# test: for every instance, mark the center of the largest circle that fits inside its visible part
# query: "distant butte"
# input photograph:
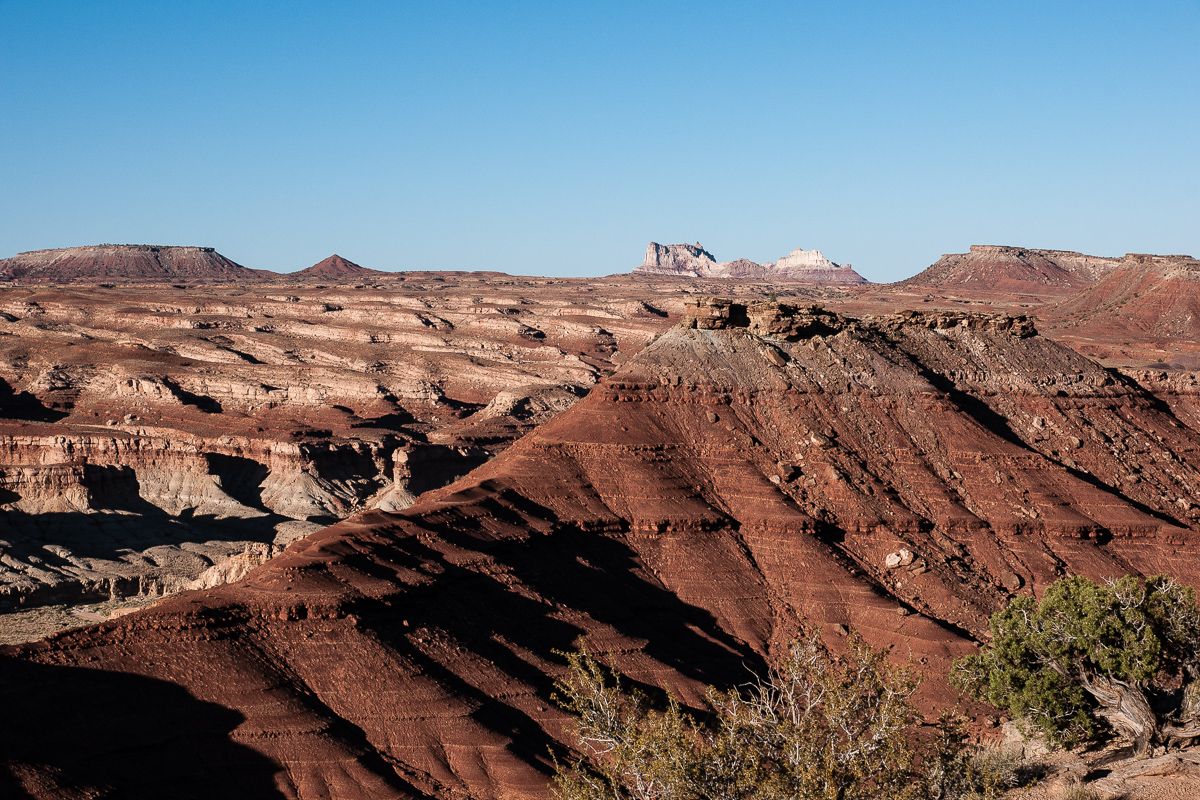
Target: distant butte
(336, 267)
(693, 261)
(125, 262)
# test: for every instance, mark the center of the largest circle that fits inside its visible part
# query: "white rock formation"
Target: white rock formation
(693, 261)
(805, 259)
(677, 259)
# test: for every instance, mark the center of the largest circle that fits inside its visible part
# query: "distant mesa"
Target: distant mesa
(1155, 297)
(125, 262)
(1014, 269)
(693, 261)
(336, 267)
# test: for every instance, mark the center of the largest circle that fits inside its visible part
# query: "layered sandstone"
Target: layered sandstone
(1149, 305)
(760, 465)
(147, 438)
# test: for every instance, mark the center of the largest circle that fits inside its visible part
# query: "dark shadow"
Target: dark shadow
(24, 406)
(120, 736)
(435, 466)
(249, 359)
(206, 404)
(978, 410)
(592, 572)
(462, 408)
(111, 537)
(388, 422)
(241, 478)
(595, 575)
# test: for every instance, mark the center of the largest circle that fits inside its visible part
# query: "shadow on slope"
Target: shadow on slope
(24, 406)
(118, 736)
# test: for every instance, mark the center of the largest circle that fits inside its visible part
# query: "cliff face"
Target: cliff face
(693, 261)
(756, 465)
(677, 259)
(124, 262)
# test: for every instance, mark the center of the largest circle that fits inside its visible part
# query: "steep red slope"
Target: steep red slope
(737, 475)
(1152, 300)
(125, 262)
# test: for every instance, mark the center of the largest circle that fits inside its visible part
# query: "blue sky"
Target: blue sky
(559, 138)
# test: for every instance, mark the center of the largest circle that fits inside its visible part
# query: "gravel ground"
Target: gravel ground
(30, 625)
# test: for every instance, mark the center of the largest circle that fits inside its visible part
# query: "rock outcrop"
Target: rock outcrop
(125, 263)
(756, 466)
(693, 261)
(677, 259)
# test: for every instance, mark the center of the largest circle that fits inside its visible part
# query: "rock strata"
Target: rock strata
(683, 518)
(147, 438)
(1149, 302)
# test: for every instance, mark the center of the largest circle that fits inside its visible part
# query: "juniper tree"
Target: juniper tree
(1121, 654)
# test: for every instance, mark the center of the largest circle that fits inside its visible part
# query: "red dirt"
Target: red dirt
(337, 268)
(1145, 310)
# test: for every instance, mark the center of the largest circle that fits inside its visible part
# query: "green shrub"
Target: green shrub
(1093, 655)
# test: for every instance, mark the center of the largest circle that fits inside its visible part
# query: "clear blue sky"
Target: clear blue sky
(559, 138)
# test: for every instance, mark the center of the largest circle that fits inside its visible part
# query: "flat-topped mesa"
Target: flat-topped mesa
(1153, 258)
(804, 260)
(990, 267)
(1147, 298)
(693, 261)
(791, 323)
(124, 262)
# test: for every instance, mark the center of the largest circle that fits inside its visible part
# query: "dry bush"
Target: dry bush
(817, 726)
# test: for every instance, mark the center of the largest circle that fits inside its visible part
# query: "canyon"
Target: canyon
(147, 438)
(378, 509)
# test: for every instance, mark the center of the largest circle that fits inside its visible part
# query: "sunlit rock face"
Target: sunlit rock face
(693, 261)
